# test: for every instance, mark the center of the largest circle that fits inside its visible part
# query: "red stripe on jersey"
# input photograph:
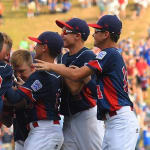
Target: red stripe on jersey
(111, 94)
(95, 64)
(41, 111)
(87, 93)
(28, 92)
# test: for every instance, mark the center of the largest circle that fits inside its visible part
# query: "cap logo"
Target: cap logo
(77, 28)
(106, 25)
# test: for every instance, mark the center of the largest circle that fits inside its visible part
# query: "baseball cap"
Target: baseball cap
(109, 23)
(52, 39)
(77, 25)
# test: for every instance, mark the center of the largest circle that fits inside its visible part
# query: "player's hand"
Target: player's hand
(19, 81)
(41, 65)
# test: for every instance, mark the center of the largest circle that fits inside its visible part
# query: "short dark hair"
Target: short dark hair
(1, 41)
(114, 37)
(53, 53)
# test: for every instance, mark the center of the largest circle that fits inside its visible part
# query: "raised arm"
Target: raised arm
(75, 74)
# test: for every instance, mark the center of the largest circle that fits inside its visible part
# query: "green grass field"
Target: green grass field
(18, 26)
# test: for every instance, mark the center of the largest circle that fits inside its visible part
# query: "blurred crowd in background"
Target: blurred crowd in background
(136, 56)
(117, 7)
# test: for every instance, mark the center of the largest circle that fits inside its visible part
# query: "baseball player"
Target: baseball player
(114, 105)
(41, 91)
(78, 105)
(21, 61)
(5, 70)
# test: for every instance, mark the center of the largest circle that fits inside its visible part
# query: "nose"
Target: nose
(93, 34)
(62, 34)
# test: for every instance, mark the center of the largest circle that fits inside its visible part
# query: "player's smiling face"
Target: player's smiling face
(99, 37)
(68, 37)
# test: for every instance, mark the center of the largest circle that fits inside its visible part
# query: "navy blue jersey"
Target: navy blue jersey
(112, 79)
(5, 80)
(6, 74)
(42, 92)
(84, 100)
(20, 125)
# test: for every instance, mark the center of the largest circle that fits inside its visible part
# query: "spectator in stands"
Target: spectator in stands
(85, 3)
(102, 6)
(122, 7)
(16, 5)
(146, 137)
(1, 12)
(66, 6)
(7, 138)
(52, 6)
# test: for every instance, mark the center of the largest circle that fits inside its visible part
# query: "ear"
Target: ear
(78, 35)
(107, 34)
(45, 48)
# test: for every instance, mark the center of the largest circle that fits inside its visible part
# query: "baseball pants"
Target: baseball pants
(46, 136)
(122, 130)
(19, 145)
(83, 131)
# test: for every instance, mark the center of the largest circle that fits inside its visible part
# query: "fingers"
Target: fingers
(20, 81)
(38, 61)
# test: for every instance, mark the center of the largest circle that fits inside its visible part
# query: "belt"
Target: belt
(113, 113)
(36, 124)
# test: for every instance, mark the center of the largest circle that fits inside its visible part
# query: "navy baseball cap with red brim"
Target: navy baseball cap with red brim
(62, 24)
(109, 23)
(76, 24)
(53, 40)
(35, 40)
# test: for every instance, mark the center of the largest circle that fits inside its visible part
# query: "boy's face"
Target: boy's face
(23, 71)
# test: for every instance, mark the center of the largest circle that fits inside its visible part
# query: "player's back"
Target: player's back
(112, 80)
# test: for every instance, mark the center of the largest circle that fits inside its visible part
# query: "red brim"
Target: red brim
(35, 39)
(63, 24)
(95, 26)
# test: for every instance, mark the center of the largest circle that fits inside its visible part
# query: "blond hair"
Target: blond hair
(20, 57)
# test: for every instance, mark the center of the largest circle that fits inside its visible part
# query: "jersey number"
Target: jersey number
(99, 93)
(125, 81)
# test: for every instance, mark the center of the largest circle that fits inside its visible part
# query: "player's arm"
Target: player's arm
(76, 74)
(14, 96)
(74, 86)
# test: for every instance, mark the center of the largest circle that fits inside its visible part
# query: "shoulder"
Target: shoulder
(52, 74)
(5, 69)
(87, 52)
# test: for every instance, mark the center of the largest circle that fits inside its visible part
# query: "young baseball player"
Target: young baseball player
(114, 105)
(22, 63)
(41, 91)
(81, 128)
(5, 70)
